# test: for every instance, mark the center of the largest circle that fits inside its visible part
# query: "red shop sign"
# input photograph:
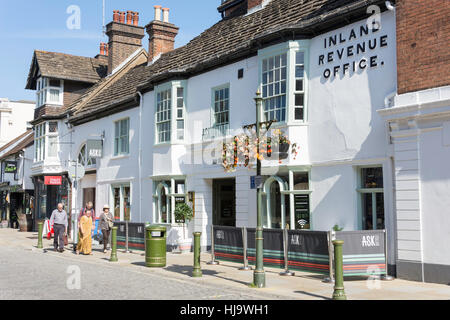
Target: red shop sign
(53, 180)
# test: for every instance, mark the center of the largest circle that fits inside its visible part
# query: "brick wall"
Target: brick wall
(73, 90)
(423, 37)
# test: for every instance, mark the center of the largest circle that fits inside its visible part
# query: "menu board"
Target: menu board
(301, 205)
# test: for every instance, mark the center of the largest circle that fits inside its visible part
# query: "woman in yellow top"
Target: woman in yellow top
(85, 234)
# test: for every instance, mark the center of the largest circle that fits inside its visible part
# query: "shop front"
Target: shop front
(49, 191)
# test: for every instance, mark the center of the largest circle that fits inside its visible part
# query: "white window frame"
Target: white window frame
(171, 87)
(171, 195)
(287, 188)
(43, 92)
(118, 152)
(290, 48)
(86, 159)
(361, 190)
(121, 186)
(40, 132)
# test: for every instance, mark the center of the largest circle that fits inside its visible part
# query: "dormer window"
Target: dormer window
(49, 91)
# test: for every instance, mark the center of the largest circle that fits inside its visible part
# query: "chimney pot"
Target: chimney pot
(102, 48)
(129, 17)
(116, 15)
(166, 14)
(157, 13)
(106, 49)
(135, 18)
(122, 16)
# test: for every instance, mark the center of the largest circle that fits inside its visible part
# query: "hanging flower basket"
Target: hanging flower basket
(242, 150)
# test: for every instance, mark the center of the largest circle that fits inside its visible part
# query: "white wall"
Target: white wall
(14, 116)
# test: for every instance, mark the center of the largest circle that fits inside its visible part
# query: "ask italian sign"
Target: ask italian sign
(94, 148)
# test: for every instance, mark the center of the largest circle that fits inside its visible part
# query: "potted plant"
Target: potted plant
(183, 214)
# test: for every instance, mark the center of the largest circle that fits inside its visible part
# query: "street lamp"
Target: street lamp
(259, 277)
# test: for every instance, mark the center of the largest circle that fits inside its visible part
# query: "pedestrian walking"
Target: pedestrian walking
(88, 206)
(106, 223)
(59, 221)
(85, 234)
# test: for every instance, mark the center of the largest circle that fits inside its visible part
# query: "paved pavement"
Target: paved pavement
(30, 273)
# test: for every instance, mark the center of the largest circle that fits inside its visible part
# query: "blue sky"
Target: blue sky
(26, 25)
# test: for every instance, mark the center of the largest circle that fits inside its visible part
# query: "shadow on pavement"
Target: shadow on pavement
(187, 270)
(313, 295)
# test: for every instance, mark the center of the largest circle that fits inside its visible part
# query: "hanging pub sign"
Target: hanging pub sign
(94, 148)
(53, 180)
(10, 166)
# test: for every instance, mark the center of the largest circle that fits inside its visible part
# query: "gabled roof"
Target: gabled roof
(13, 142)
(26, 141)
(65, 67)
(230, 40)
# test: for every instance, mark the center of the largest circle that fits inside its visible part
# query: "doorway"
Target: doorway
(89, 196)
(224, 202)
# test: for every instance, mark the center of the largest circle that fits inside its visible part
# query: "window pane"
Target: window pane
(299, 57)
(299, 71)
(372, 177)
(116, 195)
(126, 203)
(54, 83)
(298, 113)
(367, 211)
(380, 211)
(299, 99)
(301, 181)
(299, 85)
(52, 127)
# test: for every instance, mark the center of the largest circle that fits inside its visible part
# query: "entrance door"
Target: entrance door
(89, 196)
(224, 202)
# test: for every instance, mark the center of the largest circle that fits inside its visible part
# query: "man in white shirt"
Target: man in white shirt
(59, 221)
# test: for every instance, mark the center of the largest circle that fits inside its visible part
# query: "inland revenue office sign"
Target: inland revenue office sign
(353, 50)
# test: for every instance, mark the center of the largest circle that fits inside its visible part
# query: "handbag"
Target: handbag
(66, 240)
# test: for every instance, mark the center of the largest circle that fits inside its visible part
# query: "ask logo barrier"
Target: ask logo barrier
(364, 252)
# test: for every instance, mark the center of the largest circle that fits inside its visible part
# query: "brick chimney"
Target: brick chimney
(125, 37)
(161, 34)
(103, 55)
(253, 3)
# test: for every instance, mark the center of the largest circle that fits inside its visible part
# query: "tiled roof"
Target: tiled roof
(225, 41)
(65, 67)
(14, 141)
(27, 140)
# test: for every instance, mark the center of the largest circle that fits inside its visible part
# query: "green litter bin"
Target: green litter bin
(155, 246)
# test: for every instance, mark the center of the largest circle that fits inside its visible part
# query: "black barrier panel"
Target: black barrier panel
(136, 236)
(228, 244)
(308, 251)
(121, 234)
(272, 247)
(364, 252)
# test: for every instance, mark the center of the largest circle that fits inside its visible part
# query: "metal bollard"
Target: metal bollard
(244, 242)
(197, 269)
(286, 271)
(126, 237)
(330, 237)
(213, 255)
(40, 228)
(113, 245)
(339, 293)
